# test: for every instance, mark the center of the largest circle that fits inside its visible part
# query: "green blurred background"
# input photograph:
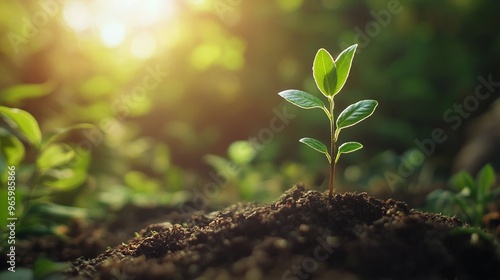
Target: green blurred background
(167, 83)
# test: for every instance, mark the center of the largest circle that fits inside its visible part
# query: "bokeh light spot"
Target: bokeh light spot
(119, 22)
(143, 45)
(113, 34)
(205, 55)
(289, 5)
(76, 15)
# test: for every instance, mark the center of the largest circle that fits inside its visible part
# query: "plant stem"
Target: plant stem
(332, 147)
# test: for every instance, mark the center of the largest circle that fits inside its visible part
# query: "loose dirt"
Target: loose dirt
(304, 235)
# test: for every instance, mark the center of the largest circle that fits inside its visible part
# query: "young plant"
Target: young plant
(470, 197)
(36, 167)
(330, 76)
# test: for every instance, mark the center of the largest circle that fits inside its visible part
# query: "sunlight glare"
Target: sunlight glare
(122, 21)
(143, 45)
(76, 15)
(151, 11)
(112, 34)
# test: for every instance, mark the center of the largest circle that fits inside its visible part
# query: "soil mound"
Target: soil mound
(304, 235)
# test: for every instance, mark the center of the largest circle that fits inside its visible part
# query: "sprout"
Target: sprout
(330, 76)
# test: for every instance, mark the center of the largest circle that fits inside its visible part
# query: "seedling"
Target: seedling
(330, 76)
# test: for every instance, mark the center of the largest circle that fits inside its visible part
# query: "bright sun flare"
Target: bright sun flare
(117, 20)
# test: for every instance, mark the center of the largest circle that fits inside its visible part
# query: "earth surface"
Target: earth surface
(303, 235)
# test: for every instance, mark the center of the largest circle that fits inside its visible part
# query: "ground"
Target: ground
(304, 235)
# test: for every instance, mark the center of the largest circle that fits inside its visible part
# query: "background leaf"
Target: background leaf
(55, 155)
(316, 145)
(348, 147)
(324, 72)
(69, 175)
(220, 164)
(462, 180)
(343, 64)
(59, 211)
(17, 93)
(23, 123)
(64, 179)
(484, 180)
(355, 113)
(52, 136)
(141, 183)
(11, 153)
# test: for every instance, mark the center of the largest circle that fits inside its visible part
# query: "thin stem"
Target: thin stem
(332, 147)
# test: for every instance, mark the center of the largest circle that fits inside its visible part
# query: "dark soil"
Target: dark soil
(304, 235)
(86, 239)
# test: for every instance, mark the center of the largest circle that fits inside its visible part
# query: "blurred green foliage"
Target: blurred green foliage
(164, 87)
(33, 181)
(469, 198)
(252, 177)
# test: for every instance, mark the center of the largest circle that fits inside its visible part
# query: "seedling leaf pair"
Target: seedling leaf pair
(330, 76)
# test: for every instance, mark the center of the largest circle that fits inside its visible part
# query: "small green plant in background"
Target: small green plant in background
(37, 168)
(330, 76)
(241, 172)
(469, 198)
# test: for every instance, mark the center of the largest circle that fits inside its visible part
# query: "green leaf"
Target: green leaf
(461, 181)
(324, 72)
(141, 183)
(348, 147)
(302, 99)
(64, 179)
(11, 153)
(57, 210)
(52, 136)
(18, 92)
(220, 164)
(11, 148)
(343, 64)
(23, 123)
(355, 113)
(316, 145)
(55, 155)
(484, 180)
(69, 175)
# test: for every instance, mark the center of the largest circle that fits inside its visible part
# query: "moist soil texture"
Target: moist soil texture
(304, 235)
